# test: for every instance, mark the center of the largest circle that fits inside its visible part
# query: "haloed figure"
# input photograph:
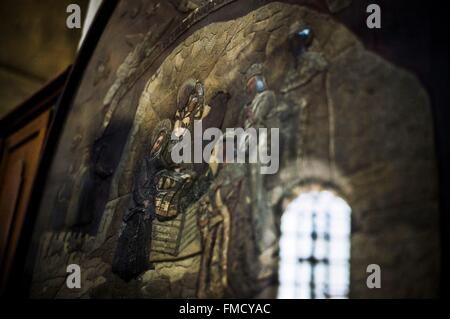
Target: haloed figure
(132, 253)
(160, 185)
(190, 106)
(258, 114)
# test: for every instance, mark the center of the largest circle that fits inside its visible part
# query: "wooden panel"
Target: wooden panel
(19, 165)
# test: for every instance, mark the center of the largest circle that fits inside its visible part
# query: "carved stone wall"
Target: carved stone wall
(348, 120)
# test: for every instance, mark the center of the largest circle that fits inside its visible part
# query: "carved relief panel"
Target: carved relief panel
(143, 225)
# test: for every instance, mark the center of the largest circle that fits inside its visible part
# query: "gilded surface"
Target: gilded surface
(214, 228)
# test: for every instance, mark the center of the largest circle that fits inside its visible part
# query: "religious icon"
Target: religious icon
(132, 252)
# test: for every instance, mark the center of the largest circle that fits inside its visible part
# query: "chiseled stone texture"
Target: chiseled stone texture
(349, 119)
(368, 123)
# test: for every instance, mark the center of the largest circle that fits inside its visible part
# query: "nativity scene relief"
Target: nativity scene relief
(215, 120)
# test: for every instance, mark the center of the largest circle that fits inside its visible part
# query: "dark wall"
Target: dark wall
(36, 46)
(415, 35)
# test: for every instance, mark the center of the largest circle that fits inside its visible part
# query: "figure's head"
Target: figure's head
(160, 136)
(190, 104)
(156, 148)
(256, 83)
(300, 38)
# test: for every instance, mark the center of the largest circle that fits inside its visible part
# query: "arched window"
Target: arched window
(315, 247)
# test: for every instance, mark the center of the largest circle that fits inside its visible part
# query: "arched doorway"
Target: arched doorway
(315, 247)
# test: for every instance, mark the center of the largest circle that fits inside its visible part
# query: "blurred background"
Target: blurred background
(35, 48)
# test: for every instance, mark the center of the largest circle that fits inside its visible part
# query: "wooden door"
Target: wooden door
(21, 154)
